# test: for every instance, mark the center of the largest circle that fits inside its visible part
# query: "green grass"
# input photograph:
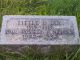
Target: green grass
(33, 53)
(41, 7)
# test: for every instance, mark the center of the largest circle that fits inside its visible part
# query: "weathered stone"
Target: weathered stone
(39, 30)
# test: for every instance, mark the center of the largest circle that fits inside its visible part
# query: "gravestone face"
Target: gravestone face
(39, 30)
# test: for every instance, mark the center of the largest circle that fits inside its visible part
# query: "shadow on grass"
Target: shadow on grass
(40, 52)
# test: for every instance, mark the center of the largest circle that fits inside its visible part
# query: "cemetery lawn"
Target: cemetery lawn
(41, 7)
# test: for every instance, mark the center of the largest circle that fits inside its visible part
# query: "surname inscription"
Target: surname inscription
(37, 29)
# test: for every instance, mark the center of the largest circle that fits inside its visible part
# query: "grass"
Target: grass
(41, 7)
(59, 53)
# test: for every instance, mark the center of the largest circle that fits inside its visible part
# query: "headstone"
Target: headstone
(39, 30)
(0, 35)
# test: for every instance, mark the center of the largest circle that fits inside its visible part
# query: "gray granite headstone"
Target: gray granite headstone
(39, 30)
(0, 35)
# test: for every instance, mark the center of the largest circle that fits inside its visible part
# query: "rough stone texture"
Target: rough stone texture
(39, 30)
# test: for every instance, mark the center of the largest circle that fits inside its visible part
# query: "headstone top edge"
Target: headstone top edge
(35, 15)
(5, 17)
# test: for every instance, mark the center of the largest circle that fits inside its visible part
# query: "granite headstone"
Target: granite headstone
(39, 30)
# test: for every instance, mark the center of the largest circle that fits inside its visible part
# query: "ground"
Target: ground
(41, 7)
